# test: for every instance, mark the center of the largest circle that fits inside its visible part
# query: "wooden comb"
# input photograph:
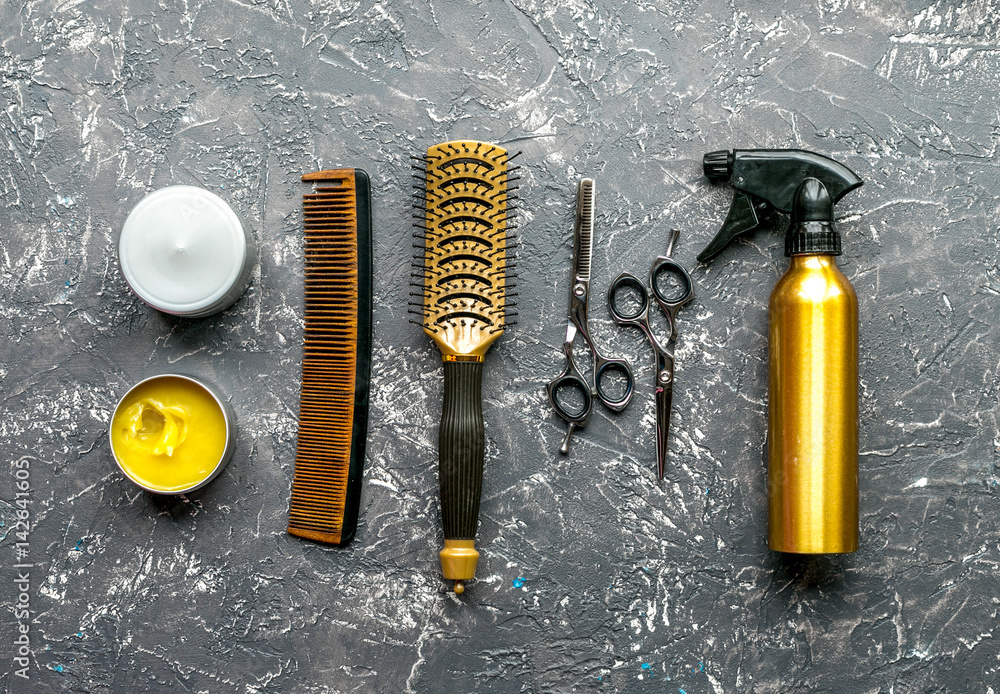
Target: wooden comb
(463, 271)
(336, 357)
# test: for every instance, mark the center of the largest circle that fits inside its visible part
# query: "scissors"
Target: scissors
(571, 379)
(670, 300)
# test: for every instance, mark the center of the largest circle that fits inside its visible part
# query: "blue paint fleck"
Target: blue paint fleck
(79, 633)
(706, 491)
(682, 691)
(646, 666)
(518, 582)
(58, 668)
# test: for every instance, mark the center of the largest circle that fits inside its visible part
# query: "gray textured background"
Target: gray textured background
(627, 585)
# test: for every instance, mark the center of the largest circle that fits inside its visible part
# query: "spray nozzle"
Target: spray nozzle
(767, 180)
(718, 165)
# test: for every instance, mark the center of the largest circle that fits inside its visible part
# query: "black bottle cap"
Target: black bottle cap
(812, 230)
(718, 166)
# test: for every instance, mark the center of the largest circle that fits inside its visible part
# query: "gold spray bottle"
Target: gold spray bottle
(813, 346)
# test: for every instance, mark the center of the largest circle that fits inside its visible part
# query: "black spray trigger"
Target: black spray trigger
(766, 180)
(745, 214)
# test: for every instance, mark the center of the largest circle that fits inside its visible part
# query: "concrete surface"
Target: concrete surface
(594, 578)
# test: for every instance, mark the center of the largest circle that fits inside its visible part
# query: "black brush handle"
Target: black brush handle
(461, 449)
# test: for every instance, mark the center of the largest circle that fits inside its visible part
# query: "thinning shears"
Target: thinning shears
(561, 388)
(671, 287)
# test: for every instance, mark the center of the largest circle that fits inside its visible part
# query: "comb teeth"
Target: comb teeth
(336, 357)
(463, 261)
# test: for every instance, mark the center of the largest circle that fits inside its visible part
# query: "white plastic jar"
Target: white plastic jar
(184, 251)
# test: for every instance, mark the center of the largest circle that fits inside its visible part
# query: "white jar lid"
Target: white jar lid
(183, 251)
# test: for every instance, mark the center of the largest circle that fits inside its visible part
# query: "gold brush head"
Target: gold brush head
(463, 270)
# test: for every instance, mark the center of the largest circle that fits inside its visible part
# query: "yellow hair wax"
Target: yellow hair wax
(170, 434)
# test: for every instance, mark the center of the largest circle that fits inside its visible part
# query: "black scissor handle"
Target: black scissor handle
(682, 290)
(606, 367)
(626, 315)
(573, 380)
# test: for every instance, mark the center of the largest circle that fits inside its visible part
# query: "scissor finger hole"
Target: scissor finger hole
(571, 397)
(628, 298)
(613, 383)
(671, 284)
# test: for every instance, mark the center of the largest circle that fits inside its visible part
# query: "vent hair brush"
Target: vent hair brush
(463, 271)
(336, 357)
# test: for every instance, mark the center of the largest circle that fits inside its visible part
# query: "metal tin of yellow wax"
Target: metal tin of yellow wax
(172, 434)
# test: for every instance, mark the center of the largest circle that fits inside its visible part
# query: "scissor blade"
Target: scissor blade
(664, 399)
(583, 230)
(570, 332)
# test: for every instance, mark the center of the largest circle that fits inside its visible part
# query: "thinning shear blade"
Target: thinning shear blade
(583, 233)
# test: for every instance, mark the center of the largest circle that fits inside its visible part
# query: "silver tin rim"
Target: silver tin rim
(227, 452)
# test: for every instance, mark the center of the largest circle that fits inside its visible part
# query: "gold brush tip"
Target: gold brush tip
(459, 587)
(458, 561)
